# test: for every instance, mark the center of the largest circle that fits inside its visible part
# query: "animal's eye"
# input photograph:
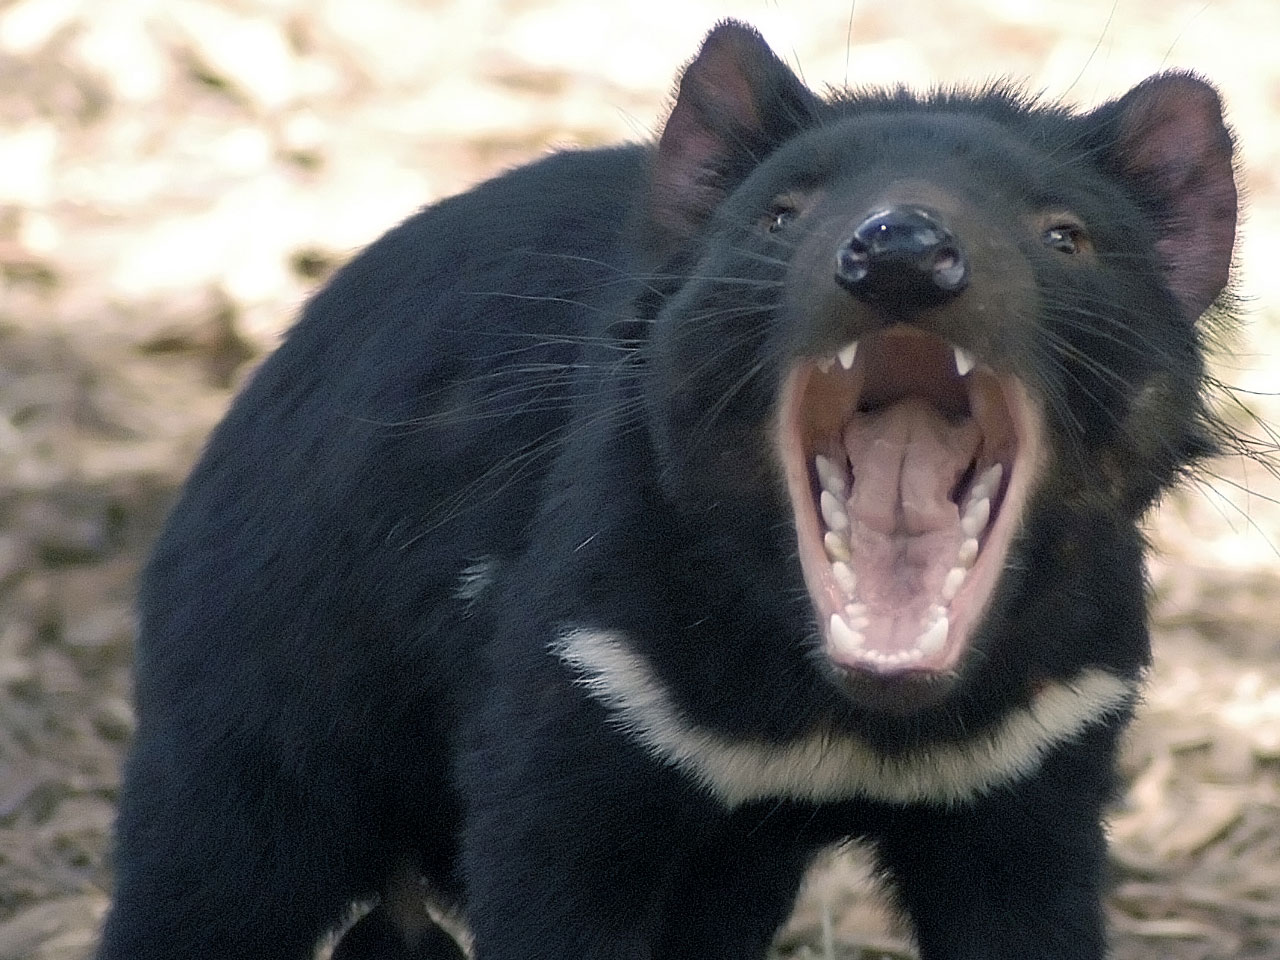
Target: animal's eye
(779, 216)
(1066, 238)
(785, 208)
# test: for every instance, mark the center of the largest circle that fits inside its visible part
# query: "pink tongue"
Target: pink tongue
(906, 460)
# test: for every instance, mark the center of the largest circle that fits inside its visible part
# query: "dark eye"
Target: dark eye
(1066, 238)
(780, 216)
(786, 207)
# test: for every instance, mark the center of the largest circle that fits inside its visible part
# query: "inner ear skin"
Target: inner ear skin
(1168, 138)
(736, 100)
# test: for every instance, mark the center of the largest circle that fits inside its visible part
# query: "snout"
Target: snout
(902, 258)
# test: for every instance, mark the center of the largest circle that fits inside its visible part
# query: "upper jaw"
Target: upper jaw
(909, 464)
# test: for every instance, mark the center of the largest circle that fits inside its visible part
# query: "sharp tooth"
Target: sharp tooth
(837, 549)
(847, 353)
(975, 517)
(968, 552)
(844, 578)
(987, 484)
(951, 585)
(964, 361)
(833, 512)
(830, 476)
(855, 615)
(843, 637)
(826, 364)
(935, 638)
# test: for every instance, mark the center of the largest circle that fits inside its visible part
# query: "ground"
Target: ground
(176, 175)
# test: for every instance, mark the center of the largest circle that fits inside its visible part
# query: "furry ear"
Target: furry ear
(736, 102)
(1167, 136)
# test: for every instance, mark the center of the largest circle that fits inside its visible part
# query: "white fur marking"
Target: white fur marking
(828, 766)
(474, 580)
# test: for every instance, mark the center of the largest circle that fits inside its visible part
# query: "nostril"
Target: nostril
(853, 262)
(950, 271)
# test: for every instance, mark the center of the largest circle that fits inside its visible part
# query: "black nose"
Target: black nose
(902, 258)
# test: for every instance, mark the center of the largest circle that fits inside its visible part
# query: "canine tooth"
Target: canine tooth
(826, 364)
(844, 578)
(833, 512)
(951, 585)
(831, 476)
(843, 636)
(854, 618)
(975, 517)
(987, 484)
(837, 549)
(964, 361)
(968, 552)
(847, 353)
(933, 639)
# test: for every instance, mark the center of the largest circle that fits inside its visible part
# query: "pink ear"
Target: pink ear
(734, 99)
(1170, 136)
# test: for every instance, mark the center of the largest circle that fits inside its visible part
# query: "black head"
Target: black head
(916, 326)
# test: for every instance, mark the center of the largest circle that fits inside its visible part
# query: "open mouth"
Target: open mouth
(908, 464)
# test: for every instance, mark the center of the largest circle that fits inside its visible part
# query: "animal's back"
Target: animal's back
(384, 463)
(405, 421)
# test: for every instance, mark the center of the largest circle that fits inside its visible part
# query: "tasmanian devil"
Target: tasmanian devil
(606, 541)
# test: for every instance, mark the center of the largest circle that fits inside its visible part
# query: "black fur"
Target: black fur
(564, 383)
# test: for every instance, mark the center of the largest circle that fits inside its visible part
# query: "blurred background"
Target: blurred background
(177, 175)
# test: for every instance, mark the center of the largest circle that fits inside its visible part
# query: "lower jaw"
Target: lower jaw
(902, 694)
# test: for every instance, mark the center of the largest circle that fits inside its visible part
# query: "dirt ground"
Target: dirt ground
(176, 175)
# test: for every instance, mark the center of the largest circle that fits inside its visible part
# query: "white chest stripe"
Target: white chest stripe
(826, 766)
